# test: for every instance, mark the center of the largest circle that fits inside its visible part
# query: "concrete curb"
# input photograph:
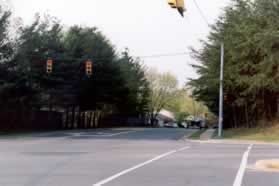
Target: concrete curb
(234, 142)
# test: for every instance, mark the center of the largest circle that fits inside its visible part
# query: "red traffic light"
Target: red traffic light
(49, 62)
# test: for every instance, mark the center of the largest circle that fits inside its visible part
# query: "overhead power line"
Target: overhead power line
(165, 55)
(201, 13)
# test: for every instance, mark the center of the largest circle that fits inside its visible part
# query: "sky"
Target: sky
(146, 27)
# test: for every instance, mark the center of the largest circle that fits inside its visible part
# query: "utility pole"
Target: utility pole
(220, 128)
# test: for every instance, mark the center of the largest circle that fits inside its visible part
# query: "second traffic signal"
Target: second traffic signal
(88, 67)
(49, 66)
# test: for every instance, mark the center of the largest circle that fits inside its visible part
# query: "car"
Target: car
(198, 123)
(183, 125)
(215, 126)
(171, 125)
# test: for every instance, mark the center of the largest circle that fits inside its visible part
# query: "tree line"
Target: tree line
(249, 30)
(119, 88)
(117, 85)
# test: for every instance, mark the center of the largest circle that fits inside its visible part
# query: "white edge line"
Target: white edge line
(243, 165)
(138, 166)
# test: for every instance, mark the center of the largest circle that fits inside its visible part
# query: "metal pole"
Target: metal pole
(220, 128)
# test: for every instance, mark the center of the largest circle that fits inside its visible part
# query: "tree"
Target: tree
(117, 85)
(163, 87)
(250, 34)
(184, 105)
(6, 52)
(136, 85)
(117, 82)
(181, 116)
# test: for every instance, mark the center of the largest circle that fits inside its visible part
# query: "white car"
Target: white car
(184, 124)
(171, 125)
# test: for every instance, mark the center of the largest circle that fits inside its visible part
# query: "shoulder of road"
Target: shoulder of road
(232, 137)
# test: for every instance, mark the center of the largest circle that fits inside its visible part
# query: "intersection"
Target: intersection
(129, 157)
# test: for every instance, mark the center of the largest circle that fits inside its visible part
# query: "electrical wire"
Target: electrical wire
(201, 13)
(164, 55)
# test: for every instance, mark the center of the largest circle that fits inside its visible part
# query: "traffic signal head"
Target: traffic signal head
(179, 5)
(172, 3)
(49, 66)
(88, 67)
(225, 97)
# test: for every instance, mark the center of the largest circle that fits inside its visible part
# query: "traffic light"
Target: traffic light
(226, 98)
(172, 3)
(88, 67)
(49, 66)
(179, 5)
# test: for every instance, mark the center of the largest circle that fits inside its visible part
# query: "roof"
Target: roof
(166, 115)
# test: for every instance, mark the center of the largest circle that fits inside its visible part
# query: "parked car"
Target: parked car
(183, 125)
(215, 126)
(198, 123)
(171, 125)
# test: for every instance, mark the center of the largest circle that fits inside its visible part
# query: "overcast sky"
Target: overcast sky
(146, 27)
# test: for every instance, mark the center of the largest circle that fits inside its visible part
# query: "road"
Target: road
(130, 157)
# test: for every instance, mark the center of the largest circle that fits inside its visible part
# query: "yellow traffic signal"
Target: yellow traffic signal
(49, 66)
(172, 3)
(88, 67)
(225, 97)
(178, 4)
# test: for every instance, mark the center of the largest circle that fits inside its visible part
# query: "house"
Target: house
(165, 116)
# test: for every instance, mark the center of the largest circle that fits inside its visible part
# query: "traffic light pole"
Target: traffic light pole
(221, 98)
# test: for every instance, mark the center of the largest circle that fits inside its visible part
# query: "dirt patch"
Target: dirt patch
(268, 165)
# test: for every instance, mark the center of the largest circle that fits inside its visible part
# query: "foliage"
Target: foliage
(196, 135)
(181, 116)
(249, 30)
(183, 103)
(267, 134)
(118, 84)
(163, 87)
(6, 52)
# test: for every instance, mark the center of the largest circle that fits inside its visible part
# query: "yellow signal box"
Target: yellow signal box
(179, 5)
(88, 68)
(49, 66)
(172, 3)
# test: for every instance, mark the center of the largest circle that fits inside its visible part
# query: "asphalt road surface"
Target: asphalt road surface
(130, 157)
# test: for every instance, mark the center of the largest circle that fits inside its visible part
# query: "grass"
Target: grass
(270, 134)
(196, 135)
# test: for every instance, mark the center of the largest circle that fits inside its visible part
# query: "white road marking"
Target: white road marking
(182, 149)
(100, 134)
(105, 181)
(119, 133)
(243, 165)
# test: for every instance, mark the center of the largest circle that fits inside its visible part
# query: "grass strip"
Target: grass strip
(196, 135)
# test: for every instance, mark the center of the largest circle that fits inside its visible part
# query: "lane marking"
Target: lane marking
(182, 149)
(100, 134)
(105, 181)
(243, 165)
(119, 133)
